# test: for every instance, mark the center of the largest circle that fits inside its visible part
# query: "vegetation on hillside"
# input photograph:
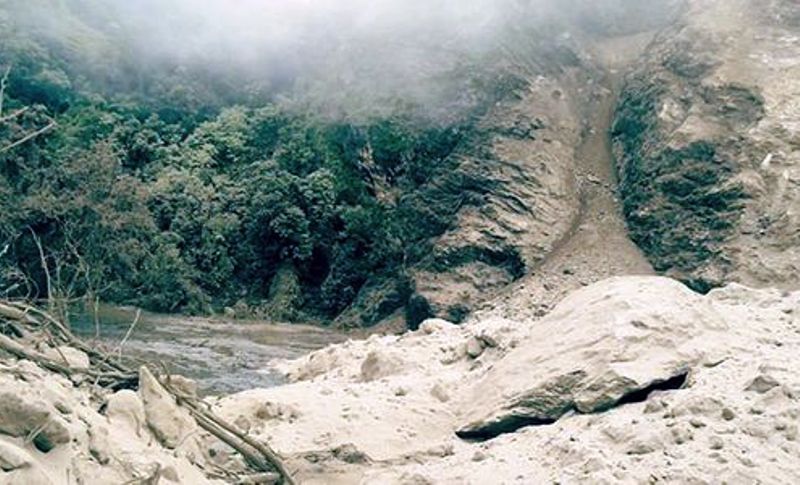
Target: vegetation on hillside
(171, 187)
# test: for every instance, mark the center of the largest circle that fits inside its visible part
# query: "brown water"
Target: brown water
(223, 356)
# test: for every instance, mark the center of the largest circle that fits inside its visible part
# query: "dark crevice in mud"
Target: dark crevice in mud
(672, 384)
(702, 285)
(509, 425)
(513, 424)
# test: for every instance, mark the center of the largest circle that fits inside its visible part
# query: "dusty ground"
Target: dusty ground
(387, 410)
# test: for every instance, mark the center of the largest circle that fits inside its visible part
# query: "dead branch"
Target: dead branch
(45, 267)
(213, 424)
(15, 114)
(65, 334)
(29, 137)
(106, 379)
(3, 84)
(128, 333)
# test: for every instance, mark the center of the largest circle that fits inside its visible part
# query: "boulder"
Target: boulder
(170, 423)
(13, 457)
(27, 476)
(126, 408)
(19, 414)
(22, 415)
(606, 344)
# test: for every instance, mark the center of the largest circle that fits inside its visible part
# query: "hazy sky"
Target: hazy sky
(249, 28)
(338, 49)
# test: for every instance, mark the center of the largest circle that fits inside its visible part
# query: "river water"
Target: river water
(223, 356)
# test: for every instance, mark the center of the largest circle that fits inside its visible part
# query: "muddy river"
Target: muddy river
(223, 356)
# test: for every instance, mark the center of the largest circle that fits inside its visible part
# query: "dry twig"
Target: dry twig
(3, 84)
(29, 137)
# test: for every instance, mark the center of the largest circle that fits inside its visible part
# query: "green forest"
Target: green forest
(181, 188)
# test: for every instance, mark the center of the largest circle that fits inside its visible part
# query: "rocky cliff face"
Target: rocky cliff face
(550, 168)
(529, 160)
(706, 137)
(705, 140)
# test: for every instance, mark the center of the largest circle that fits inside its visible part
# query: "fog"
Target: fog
(340, 52)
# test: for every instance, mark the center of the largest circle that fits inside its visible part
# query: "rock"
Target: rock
(379, 364)
(54, 433)
(170, 423)
(762, 384)
(267, 478)
(69, 356)
(13, 458)
(655, 406)
(681, 434)
(434, 325)
(716, 443)
(19, 416)
(98, 444)
(697, 423)
(440, 393)
(348, 453)
(643, 447)
(441, 451)
(605, 343)
(488, 340)
(184, 385)
(170, 473)
(25, 416)
(474, 347)
(126, 408)
(274, 410)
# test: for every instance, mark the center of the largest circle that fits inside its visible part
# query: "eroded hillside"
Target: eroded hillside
(706, 137)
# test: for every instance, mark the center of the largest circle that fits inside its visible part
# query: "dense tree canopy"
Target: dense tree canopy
(169, 187)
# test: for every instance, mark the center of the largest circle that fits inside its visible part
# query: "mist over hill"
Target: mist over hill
(299, 159)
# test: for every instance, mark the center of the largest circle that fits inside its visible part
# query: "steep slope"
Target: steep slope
(706, 136)
(529, 158)
(553, 223)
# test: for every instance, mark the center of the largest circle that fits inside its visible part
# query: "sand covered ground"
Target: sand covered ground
(630, 380)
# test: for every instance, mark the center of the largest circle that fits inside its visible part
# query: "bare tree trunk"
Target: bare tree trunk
(3, 119)
(3, 84)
